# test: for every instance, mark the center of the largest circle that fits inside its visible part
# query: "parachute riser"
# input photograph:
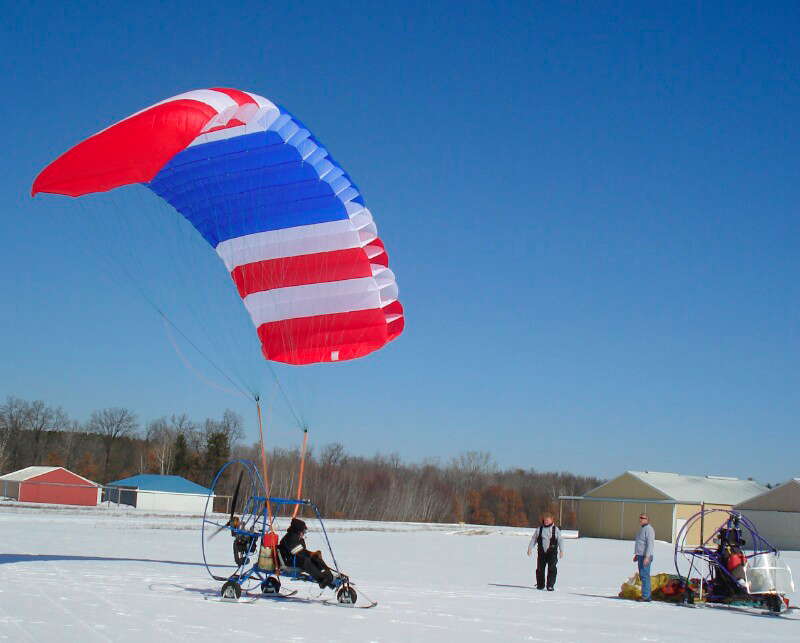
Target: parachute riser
(302, 470)
(264, 463)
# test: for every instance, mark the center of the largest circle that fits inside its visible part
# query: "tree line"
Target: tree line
(113, 444)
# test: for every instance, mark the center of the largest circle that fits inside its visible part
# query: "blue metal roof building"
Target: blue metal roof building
(159, 493)
(155, 482)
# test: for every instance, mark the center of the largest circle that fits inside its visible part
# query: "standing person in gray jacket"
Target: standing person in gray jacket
(643, 553)
(549, 547)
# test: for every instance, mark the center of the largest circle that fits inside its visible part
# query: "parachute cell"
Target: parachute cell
(284, 217)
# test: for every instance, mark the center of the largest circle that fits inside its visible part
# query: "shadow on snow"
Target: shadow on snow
(42, 558)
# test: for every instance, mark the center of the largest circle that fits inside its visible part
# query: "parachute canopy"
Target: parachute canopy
(284, 217)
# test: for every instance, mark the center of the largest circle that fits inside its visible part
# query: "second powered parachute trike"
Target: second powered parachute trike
(731, 564)
(259, 565)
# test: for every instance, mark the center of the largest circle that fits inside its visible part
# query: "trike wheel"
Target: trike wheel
(347, 595)
(271, 585)
(231, 590)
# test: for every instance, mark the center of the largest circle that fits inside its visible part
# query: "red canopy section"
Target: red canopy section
(132, 151)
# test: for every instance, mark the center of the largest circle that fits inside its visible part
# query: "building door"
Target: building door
(679, 523)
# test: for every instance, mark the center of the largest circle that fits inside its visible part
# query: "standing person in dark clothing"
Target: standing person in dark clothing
(294, 553)
(549, 548)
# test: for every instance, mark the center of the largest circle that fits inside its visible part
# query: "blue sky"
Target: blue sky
(591, 212)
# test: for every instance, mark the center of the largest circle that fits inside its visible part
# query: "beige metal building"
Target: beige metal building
(776, 514)
(669, 499)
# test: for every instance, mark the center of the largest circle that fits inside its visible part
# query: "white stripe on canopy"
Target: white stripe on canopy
(355, 232)
(366, 293)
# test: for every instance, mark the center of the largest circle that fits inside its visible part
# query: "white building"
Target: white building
(776, 514)
(158, 493)
(670, 499)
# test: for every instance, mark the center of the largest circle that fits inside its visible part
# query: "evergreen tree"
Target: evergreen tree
(218, 451)
(182, 459)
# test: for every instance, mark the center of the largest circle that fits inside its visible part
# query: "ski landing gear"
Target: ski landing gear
(346, 594)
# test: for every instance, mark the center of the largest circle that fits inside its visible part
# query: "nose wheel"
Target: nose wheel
(271, 586)
(346, 595)
(231, 590)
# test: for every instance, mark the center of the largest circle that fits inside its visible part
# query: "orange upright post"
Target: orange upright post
(264, 463)
(302, 471)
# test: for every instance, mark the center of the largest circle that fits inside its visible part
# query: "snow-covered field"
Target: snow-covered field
(108, 575)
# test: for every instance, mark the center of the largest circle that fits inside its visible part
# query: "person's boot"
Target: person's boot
(326, 580)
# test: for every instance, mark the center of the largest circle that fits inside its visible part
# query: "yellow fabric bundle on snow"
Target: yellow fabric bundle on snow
(632, 588)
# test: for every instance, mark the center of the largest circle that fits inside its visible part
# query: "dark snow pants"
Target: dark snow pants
(547, 559)
(315, 567)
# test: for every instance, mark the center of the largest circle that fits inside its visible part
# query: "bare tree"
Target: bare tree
(161, 437)
(111, 425)
(41, 419)
(468, 472)
(230, 426)
(13, 414)
(5, 439)
(333, 455)
(194, 436)
(475, 463)
(71, 443)
(181, 424)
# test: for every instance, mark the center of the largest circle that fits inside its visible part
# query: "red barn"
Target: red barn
(53, 485)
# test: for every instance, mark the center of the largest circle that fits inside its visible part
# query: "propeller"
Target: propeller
(235, 498)
(233, 520)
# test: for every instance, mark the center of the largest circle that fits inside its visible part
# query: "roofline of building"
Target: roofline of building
(183, 493)
(653, 487)
(124, 484)
(50, 469)
(80, 476)
(768, 491)
(633, 474)
(44, 473)
(640, 500)
(671, 501)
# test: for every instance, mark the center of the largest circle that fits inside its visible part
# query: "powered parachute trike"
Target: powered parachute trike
(723, 560)
(294, 234)
(252, 525)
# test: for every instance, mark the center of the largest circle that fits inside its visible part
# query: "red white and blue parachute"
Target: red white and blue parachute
(285, 218)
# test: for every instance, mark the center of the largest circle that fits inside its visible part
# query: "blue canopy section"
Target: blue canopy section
(279, 178)
(155, 482)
